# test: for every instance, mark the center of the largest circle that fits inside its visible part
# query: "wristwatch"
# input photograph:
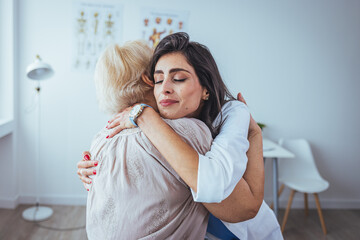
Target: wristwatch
(136, 112)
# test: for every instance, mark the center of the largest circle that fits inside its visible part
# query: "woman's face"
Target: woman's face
(177, 90)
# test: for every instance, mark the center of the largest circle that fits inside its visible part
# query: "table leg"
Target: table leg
(275, 186)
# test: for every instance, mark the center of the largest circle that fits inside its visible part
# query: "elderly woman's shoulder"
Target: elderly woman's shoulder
(193, 131)
(186, 125)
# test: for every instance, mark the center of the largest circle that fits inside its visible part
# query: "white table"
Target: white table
(274, 151)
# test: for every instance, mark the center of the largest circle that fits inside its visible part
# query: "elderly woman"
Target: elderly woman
(135, 194)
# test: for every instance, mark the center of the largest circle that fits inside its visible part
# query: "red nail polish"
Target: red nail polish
(90, 182)
(95, 164)
(108, 121)
(107, 136)
(87, 189)
(87, 157)
(94, 172)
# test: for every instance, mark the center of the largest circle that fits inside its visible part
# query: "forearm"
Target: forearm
(183, 158)
(254, 174)
(239, 206)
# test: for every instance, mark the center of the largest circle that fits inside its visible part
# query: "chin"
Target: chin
(168, 115)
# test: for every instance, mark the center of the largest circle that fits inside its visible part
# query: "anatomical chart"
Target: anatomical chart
(96, 25)
(157, 24)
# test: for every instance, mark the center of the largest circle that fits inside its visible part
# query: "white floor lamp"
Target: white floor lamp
(38, 71)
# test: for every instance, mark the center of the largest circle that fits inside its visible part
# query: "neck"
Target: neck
(149, 99)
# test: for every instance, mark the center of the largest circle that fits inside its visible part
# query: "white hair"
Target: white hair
(118, 73)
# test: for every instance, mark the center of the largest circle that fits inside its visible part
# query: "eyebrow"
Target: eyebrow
(171, 70)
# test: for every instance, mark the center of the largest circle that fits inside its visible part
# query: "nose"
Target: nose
(167, 87)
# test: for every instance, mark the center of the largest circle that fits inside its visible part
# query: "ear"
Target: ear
(147, 80)
(205, 94)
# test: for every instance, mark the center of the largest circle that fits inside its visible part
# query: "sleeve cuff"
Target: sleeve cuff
(206, 192)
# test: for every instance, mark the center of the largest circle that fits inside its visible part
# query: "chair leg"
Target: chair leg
(279, 193)
(320, 213)
(306, 204)
(287, 210)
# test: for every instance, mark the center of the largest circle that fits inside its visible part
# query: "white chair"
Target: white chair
(300, 174)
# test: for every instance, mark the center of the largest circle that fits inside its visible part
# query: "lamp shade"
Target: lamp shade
(39, 70)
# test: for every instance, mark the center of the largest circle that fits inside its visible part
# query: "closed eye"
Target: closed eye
(158, 82)
(180, 80)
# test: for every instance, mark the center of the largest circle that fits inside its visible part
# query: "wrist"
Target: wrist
(146, 115)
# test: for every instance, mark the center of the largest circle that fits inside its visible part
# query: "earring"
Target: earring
(206, 98)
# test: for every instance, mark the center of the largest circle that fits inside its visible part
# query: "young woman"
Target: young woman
(212, 176)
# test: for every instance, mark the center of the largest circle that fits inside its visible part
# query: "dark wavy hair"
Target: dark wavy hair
(200, 58)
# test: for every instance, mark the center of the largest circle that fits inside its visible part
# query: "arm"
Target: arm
(182, 158)
(246, 199)
(212, 176)
(230, 210)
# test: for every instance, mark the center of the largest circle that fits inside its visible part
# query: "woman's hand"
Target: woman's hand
(120, 122)
(85, 169)
(253, 127)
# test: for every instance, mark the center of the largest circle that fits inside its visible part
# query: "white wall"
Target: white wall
(296, 62)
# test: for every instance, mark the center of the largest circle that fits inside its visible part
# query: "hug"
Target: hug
(181, 158)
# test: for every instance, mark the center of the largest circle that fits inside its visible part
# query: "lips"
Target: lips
(167, 102)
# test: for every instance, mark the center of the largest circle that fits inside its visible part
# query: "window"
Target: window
(6, 66)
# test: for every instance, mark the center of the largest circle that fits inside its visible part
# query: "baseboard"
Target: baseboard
(9, 203)
(12, 203)
(325, 203)
(54, 200)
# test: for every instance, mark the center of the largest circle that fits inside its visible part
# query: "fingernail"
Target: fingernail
(107, 136)
(106, 126)
(108, 121)
(90, 182)
(87, 157)
(94, 172)
(87, 189)
(96, 163)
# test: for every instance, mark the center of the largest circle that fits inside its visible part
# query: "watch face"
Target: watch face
(135, 111)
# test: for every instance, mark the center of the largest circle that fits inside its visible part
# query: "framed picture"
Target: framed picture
(156, 24)
(96, 25)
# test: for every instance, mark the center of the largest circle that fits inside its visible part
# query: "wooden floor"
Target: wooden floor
(341, 224)
(14, 227)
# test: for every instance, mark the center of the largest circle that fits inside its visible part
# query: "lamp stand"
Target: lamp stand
(37, 213)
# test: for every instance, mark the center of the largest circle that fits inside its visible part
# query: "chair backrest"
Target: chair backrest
(303, 165)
